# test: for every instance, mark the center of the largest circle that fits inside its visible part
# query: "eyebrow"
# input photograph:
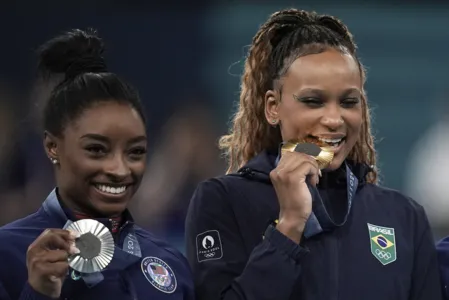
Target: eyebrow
(102, 138)
(323, 92)
(351, 90)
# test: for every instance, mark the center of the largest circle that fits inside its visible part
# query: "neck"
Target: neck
(74, 212)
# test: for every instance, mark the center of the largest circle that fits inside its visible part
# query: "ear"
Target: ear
(272, 107)
(51, 146)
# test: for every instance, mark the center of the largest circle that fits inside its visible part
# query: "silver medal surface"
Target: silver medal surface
(96, 246)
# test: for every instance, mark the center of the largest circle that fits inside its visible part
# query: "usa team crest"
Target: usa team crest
(383, 243)
(159, 274)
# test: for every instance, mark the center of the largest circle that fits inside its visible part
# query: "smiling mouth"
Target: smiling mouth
(325, 142)
(111, 190)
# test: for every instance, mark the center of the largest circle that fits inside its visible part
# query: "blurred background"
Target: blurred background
(186, 58)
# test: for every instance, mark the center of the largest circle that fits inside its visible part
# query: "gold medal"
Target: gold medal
(322, 154)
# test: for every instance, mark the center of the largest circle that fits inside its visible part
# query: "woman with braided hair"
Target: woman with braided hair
(300, 214)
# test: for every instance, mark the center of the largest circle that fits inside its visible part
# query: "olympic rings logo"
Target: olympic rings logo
(383, 254)
(209, 255)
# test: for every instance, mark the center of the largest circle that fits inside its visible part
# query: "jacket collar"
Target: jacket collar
(56, 211)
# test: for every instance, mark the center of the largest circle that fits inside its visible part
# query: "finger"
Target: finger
(67, 235)
(313, 179)
(73, 235)
(297, 163)
(73, 249)
(291, 164)
(54, 240)
(306, 171)
(54, 256)
(54, 271)
(287, 163)
(293, 159)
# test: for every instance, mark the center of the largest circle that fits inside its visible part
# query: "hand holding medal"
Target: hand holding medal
(47, 260)
(300, 162)
(86, 246)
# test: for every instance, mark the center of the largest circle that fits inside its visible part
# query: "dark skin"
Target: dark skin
(321, 97)
(104, 147)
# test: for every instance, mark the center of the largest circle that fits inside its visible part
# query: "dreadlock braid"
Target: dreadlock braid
(285, 36)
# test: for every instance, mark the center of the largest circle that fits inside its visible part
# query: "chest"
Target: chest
(143, 281)
(368, 260)
(370, 257)
(148, 277)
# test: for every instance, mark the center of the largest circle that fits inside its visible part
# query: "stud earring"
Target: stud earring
(54, 161)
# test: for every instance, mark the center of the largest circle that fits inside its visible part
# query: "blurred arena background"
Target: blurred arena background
(186, 58)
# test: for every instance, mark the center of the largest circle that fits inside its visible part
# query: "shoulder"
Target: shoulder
(224, 186)
(217, 195)
(220, 185)
(159, 249)
(25, 230)
(391, 199)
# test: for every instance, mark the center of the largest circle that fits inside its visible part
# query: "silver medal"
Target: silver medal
(96, 246)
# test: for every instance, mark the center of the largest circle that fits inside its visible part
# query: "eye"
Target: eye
(349, 102)
(312, 102)
(96, 150)
(137, 152)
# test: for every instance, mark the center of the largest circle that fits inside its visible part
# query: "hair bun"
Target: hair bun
(86, 64)
(294, 17)
(73, 53)
(339, 28)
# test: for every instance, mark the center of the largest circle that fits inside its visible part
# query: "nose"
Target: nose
(117, 168)
(332, 117)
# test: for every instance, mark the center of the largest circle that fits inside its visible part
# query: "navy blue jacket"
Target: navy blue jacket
(384, 250)
(128, 276)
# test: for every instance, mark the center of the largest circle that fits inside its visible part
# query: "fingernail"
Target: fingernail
(74, 234)
(319, 172)
(53, 278)
(73, 250)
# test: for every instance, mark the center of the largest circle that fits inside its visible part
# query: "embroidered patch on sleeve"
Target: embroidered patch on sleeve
(208, 246)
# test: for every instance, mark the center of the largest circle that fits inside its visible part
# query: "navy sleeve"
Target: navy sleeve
(426, 282)
(230, 271)
(28, 293)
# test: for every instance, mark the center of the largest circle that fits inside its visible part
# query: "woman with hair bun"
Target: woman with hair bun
(82, 243)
